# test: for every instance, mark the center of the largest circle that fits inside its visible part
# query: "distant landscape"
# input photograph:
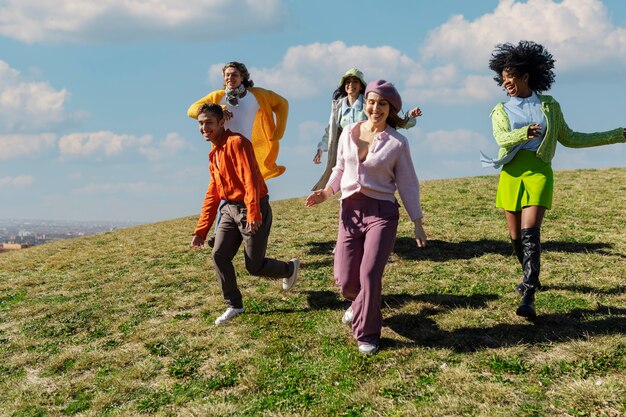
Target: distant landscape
(121, 323)
(37, 232)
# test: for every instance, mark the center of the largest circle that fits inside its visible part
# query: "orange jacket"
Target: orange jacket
(235, 176)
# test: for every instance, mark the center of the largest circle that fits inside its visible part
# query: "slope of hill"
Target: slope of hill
(121, 323)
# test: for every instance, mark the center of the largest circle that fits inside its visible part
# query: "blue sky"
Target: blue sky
(93, 95)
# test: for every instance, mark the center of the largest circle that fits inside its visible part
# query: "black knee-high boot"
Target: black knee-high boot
(531, 264)
(519, 252)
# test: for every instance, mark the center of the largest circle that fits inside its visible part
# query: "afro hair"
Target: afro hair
(526, 57)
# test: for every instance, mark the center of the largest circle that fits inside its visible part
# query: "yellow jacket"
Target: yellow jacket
(266, 132)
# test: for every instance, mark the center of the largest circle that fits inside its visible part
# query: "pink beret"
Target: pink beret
(387, 90)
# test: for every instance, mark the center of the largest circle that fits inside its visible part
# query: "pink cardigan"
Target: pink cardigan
(387, 167)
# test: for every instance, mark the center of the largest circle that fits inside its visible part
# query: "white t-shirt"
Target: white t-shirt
(243, 115)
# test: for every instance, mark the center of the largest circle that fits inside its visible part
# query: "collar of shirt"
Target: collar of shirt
(519, 101)
(222, 140)
(357, 106)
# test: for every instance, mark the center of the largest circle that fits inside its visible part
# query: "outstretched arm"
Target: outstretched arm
(213, 97)
(318, 196)
(412, 114)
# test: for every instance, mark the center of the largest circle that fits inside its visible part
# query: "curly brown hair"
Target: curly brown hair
(247, 82)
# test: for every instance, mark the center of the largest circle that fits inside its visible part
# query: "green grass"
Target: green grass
(121, 323)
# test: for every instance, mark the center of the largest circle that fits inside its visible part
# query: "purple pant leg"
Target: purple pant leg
(349, 249)
(366, 238)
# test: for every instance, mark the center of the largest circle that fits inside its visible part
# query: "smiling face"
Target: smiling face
(377, 109)
(232, 78)
(516, 85)
(210, 126)
(352, 86)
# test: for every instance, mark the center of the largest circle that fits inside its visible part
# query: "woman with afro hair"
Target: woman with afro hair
(527, 128)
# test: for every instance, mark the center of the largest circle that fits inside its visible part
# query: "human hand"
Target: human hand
(420, 234)
(416, 112)
(253, 227)
(534, 131)
(316, 197)
(318, 156)
(197, 241)
(228, 115)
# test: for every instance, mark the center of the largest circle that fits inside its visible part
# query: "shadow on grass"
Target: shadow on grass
(587, 289)
(441, 251)
(325, 300)
(321, 248)
(577, 324)
(331, 300)
(422, 330)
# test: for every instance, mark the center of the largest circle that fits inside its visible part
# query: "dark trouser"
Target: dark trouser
(230, 233)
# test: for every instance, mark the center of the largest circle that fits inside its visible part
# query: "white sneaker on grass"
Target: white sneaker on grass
(368, 348)
(288, 283)
(229, 314)
(348, 316)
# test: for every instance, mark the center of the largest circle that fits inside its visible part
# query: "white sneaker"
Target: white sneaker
(230, 313)
(288, 283)
(347, 316)
(368, 349)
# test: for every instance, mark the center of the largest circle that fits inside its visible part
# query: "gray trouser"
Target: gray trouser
(230, 232)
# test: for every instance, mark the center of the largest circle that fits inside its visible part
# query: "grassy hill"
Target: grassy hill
(121, 323)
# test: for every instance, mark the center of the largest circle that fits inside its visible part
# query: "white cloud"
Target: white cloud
(21, 181)
(27, 105)
(131, 187)
(570, 29)
(14, 146)
(167, 148)
(86, 144)
(472, 88)
(121, 20)
(309, 70)
(107, 143)
(460, 141)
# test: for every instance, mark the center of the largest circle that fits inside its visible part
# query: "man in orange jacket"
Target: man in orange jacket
(258, 114)
(246, 214)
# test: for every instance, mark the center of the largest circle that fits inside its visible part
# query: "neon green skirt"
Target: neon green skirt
(525, 181)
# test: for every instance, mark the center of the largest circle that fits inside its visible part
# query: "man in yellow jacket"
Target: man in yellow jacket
(260, 115)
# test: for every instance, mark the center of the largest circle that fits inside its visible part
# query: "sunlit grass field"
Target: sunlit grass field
(121, 323)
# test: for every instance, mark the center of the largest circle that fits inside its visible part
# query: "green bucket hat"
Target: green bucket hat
(353, 72)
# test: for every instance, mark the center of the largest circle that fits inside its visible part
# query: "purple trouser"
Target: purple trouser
(367, 233)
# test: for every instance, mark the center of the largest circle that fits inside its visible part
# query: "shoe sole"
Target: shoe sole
(219, 323)
(369, 352)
